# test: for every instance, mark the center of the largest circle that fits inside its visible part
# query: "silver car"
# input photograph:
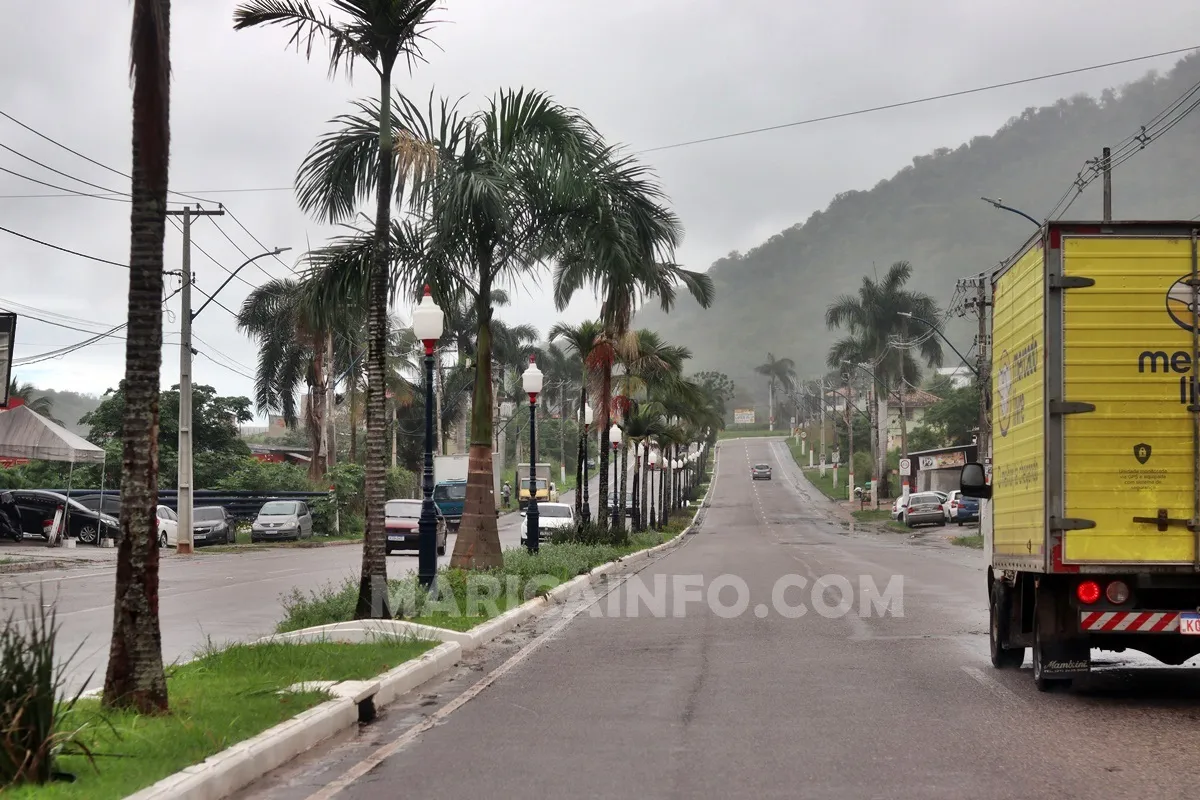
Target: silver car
(282, 519)
(924, 508)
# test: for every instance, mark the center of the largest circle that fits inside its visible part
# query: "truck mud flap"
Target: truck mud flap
(1066, 658)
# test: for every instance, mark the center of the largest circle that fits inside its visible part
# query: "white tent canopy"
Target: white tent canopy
(26, 434)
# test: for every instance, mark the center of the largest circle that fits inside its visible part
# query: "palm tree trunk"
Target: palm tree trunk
(352, 391)
(135, 678)
(606, 422)
(395, 437)
(477, 545)
(771, 403)
(315, 419)
(562, 433)
(637, 493)
(330, 403)
(582, 455)
(372, 589)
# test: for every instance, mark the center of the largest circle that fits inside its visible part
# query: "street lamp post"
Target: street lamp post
(427, 326)
(942, 336)
(586, 510)
(614, 436)
(653, 458)
(1017, 211)
(531, 382)
(636, 495)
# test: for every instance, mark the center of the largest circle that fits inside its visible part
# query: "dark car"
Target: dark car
(82, 523)
(212, 525)
(962, 509)
(109, 503)
(612, 504)
(401, 521)
(760, 472)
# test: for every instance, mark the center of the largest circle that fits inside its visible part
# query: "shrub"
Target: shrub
(31, 714)
(589, 533)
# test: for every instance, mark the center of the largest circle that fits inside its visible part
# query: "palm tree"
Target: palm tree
(379, 33)
(644, 422)
(37, 403)
(562, 372)
(873, 320)
(579, 340)
(135, 678)
(778, 371)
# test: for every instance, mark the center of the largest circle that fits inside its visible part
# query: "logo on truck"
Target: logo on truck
(1013, 370)
(1142, 452)
(1179, 309)
(1179, 303)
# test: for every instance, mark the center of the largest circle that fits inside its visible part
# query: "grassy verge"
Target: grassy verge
(872, 515)
(243, 543)
(467, 599)
(973, 541)
(824, 485)
(220, 699)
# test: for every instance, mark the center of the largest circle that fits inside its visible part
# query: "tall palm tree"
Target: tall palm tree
(644, 422)
(873, 321)
(135, 678)
(579, 340)
(778, 371)
(37, 403)
(379, 33)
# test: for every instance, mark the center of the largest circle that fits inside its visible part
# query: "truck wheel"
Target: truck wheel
(998, 616)
(1040, 680)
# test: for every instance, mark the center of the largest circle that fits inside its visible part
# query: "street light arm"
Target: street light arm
(942, 336)
(233, 275)
(1003, 207)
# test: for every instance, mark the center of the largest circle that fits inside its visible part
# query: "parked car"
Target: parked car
(212, 525)
(760, 472)
(924, 508)
(282, 519)
(37, 513)
(401, 521)
(168, 526)
(960, 509)
(108, 503)
(898, 506)
(551, 516)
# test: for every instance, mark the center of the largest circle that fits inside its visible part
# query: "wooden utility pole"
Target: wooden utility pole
(1106, 169)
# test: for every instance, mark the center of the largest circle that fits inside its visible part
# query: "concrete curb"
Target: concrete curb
(233, 769)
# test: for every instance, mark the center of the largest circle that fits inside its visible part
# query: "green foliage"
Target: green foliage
(214, 420)
(923, 437)
(260, 476)
(402, 483)
(32, 733)
(955, 417)
(778, 291)
(589, 533)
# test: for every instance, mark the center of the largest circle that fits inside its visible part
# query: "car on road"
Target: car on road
(612, 504)
(38, 506)
(900, 502)
(960, 509)
(551, 516)
(168, 526)
(212, 525)
(760, 472)
(282, 519)
(924, 508)
(402, 520)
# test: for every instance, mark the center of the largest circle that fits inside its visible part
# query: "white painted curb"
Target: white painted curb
(231, 770)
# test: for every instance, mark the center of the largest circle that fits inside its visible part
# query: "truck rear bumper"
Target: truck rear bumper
(1129, 621)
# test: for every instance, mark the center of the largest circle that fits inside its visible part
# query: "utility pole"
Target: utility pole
(184, 537)
(1106, 168)
(822, 401)
(850, 434)
(979, 304)
(904, 478)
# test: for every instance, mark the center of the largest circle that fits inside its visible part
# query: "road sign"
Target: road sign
(803, 434)
(906, 467)
(837, 456)
(793, 422)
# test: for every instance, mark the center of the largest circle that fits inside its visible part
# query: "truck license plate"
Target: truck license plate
(1189, 623)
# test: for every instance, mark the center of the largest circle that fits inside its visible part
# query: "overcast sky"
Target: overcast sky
(647, 72)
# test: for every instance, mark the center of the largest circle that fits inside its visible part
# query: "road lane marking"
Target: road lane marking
(994, 686)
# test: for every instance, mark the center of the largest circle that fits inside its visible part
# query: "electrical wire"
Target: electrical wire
(63, 188)
(917, 101)
(224, 366)
(225, 356)
(206, 254)
(62, 249)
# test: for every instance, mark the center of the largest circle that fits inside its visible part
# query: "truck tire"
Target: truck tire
(1040, 680)
(998, 617)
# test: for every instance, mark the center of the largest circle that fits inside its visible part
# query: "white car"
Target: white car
(551, 516)
(168, 527)
(899, 504)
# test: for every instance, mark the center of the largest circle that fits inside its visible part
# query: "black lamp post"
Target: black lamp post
(427, 326)
(614, 436)
(531, 381)
(587, 456)
(653, 459)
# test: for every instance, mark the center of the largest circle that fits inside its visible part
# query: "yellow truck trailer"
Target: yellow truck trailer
(1091, 509)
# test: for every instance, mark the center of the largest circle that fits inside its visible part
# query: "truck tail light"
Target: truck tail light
(1088, 592)
(1117, 592)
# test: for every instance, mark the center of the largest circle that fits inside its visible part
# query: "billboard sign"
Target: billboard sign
(944, 460)
(743, 416)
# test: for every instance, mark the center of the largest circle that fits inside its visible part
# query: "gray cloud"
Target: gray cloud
(649, 73)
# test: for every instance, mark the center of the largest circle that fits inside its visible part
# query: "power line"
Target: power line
(245, 190)
(225, 356)
(63, 249)
(238, 222)
(215, 301)
(918, 101)
(225, 366)
(206, 254)
(104, 189)
(124, 199)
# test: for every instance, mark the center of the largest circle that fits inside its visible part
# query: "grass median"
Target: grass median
(973, 541)
(219, 699)
(465, 599)
(243, 543)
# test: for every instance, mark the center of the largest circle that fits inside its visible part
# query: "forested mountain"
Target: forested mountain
(773, 298)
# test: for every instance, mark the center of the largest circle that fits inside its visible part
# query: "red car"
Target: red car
(402, 518)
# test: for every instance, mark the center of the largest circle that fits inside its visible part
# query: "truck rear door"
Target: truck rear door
(1129, 345)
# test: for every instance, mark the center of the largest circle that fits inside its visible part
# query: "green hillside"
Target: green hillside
(774, 296)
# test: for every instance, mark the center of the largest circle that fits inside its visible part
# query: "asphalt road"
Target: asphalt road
(902, 704)
(220, 597)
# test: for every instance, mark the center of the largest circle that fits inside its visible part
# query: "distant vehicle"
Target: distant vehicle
(282, 519)
(450, 487)
(212, 525)
(109, 503)
(961, 509)
(551, 516)
(760, 472)
(38, 508)
(402, 520)
(168, 526)
(544, 493)
(924, 508)
(612, 503)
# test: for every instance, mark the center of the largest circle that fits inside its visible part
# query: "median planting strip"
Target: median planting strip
(231, 770)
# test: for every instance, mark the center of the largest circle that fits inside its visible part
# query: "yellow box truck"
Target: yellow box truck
(1091, 499)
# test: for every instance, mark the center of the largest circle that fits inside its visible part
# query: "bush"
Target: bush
(403, 483)
(253, 475)
(30, 710)
(589, 533)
